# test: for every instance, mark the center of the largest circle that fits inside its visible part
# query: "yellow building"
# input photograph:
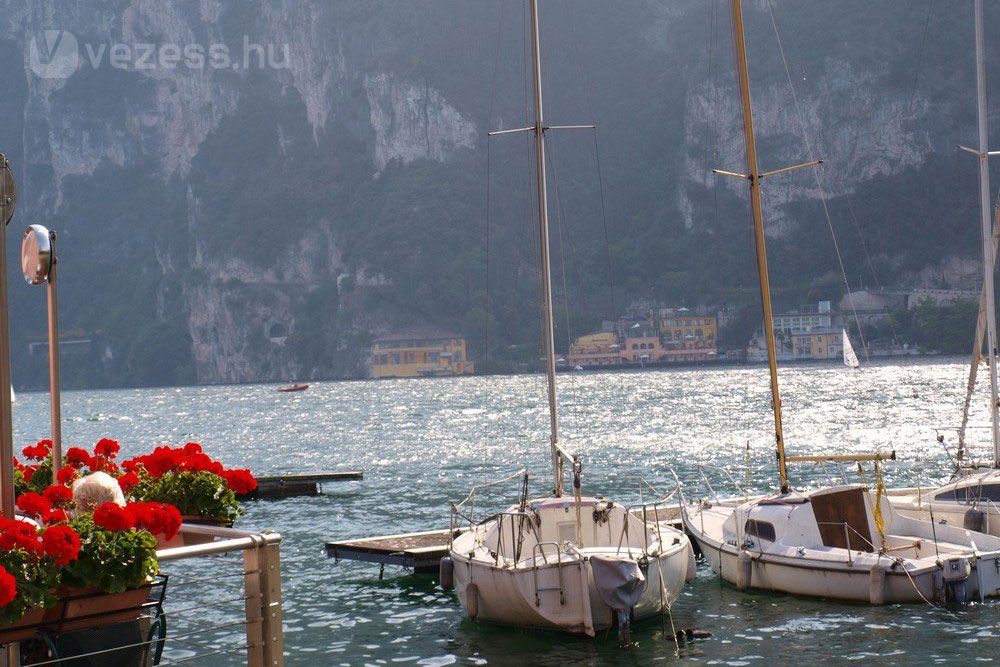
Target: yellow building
(420, 352)
(685, 328)
(599, 349)
(818, 344)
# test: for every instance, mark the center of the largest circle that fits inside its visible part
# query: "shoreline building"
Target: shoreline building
(651, 335)
(599, 349)
(420, 353)
(809, 332)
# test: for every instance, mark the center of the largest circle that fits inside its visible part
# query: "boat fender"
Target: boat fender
(472, 600)
(447, 573)
(974, 520)
(744, 570)
(692, 568)
(876, 586)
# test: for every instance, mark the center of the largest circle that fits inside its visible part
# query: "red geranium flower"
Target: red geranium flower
(77, 457)
(240, 480)
(128, 482)
(192, 448)
(29, 472)
(33, 504)
(112, 517)
(58, 494)
(107, 448)
(15, 534)
(157, 518)
(8, 587)
(39, 451)
(55, 516)
(66, 474)
(62, 543)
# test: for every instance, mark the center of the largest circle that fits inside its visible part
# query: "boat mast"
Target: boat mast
(984, 201)
(548, 328)
(753, 175)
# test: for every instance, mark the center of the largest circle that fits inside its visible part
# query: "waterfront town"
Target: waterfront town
(654, 334)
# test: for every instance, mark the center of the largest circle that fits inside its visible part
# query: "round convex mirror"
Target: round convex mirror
(36, 255)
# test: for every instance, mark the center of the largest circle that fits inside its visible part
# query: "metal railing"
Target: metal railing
(205, 583)
(259, 579)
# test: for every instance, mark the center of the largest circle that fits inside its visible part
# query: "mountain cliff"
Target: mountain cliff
(249, 191)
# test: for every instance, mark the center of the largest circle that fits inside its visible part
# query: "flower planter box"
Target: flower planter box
(88, 608)
(24, 628)
(183, 539)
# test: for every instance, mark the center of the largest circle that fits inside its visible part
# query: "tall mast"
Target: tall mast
(753, 175)
(984, 202)
(548, 328)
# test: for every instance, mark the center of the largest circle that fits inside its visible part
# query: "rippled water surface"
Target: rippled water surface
(422, 443)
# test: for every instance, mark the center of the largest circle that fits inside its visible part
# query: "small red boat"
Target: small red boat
(294, 387)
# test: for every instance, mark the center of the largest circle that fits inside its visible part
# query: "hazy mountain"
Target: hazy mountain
(249, 190)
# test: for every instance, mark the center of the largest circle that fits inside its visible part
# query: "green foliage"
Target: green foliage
(111, 561)
(947, 328)
(36, 579)
(202, 494)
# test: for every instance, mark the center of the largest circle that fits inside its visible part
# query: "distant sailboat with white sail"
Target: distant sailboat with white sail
(850, 359)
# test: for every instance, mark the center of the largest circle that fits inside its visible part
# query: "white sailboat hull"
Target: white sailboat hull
(834, 581)
(553, 585)
(567, 598)
(794, 544)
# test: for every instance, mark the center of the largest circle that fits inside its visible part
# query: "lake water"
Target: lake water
(423, 443)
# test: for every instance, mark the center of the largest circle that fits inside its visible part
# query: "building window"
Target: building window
(395, 357)
(383, 359)
(458, 356)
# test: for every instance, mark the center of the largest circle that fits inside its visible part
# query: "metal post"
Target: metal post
(252, 591)
(262, 582)
(753, 176)
(548, 328)
(987, 232)
(55, 398)
(271, 617)
(11, 654)
(6, 428)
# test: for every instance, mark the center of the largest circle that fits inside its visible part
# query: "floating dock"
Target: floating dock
(422, 551)
(306, 484)
(419, 551)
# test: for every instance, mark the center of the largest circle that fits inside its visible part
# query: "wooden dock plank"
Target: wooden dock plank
(299, 484)
(421, 551)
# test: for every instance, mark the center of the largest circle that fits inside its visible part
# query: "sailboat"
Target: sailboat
(972, 498)
(850, 359)
(567, 562)
(843, 542)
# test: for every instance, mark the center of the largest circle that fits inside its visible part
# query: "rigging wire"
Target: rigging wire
(532, 209)
(816, 175)
(560, 223)
(486, 297)
(588, 100)
(489, 120)
(918, 70)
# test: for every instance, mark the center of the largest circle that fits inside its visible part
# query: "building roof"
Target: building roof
(417, 333)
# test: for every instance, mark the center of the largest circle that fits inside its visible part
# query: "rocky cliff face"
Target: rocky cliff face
(231, 150)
